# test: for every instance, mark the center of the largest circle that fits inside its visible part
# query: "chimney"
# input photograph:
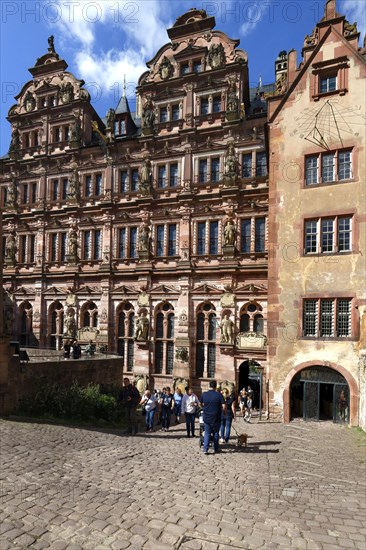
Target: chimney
(330, 10)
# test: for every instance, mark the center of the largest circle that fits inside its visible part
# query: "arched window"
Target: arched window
(89, 315)
(251, 318)
(25, 324)
(56, 325)
(164, 339)
(125, 335)
(206, 341)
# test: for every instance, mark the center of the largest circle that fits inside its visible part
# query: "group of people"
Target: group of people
(72, 349)
(217, 406)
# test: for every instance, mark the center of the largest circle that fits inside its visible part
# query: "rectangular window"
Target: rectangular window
(173, 175)
(160, 240)
(63, 247)
(311, 237)
(161, 176)
(344, 234)
(122, 242)
(261, 164)
(97, 244)
(87, 245)
(204, 106)
(172, 240)
(214, 238)
(201, 239)
(335, 166)
(57, 134)
(328, 167)
(130, 354)
(53, 255)
(32, 248)
(65, 188)
(23, 249)
(211, 365)
(311, 170)
(203, 171)
(344, 165)
(175, 112)
(247, 165)
(327, 317)
(34, 193)
(134, 179)
(246, 228)
(184, 68)
(197, 66)
(215, 170)
(326, 235)
(216, 104)
(25, 193)
(67, 133)
(88, 186)
(169, 357)
(98, 184)
(133, 242)
(327, 238)
(259, 241)
(159, 357)
(163, 114)
(55, 190)
(328, 84)
(123, 188)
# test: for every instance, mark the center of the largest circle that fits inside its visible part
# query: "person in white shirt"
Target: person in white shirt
(190, 404)
(149, 403)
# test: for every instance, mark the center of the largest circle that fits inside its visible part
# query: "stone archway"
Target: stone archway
(352, 385)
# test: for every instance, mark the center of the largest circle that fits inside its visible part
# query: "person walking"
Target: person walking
(228, 417)
(167, 405)
(149, 402)
(248, 409)
(178, 396)
(213, 406)
(190, 404)
(129, 397)
(242, 399)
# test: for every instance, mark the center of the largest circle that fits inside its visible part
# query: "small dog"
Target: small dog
(242, 440)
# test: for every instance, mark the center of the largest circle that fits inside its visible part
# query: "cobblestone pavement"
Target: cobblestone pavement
(296, 486)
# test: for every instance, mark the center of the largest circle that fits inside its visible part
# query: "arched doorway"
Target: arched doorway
(319, 393)
(250, 375)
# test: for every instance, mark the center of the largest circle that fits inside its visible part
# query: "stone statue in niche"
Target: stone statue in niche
(73, 245)
(216, 56)
(75, 133)
(14, 144)
(144, 238)
(229, 233)
(232, 100)
(74, 185)
(230, 164)
(227, 330)
(145, 176)
(148, 114)
(142, 327)
(10, 249)
(29, 102)
(11, 198)
(70, 324)
(166, 68)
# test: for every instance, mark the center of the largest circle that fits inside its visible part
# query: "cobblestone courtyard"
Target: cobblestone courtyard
(295, 486)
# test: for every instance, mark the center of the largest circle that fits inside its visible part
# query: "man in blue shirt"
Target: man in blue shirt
(213, 405)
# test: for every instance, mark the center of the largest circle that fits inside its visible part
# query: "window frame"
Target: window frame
(322, 168)
(316, 236)
(317, 318)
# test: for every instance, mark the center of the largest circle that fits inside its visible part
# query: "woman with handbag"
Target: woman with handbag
(149, 404)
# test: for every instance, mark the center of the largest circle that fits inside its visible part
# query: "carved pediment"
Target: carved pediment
(88, 290)
(210, 84)
(163, 289)
(252, 288)
(125, 290)
(55, 291)
(190, 51)
(207, 290)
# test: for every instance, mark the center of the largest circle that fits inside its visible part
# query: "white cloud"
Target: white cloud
(253, 13)
(355, 10)
(142, 27)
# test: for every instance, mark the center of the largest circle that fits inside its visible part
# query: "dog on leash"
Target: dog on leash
(242, 440)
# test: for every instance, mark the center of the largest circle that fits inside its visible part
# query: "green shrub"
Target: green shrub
(86, 403)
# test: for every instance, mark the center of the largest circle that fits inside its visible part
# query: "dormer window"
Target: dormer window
(197, 67)
(120, 127)
(328, 84)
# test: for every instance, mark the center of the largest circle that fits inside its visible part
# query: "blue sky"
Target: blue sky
(101, 40)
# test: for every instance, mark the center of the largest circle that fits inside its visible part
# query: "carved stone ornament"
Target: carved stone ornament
(66, 93)
(14, 144)
(111, 115)
(141, 382)
(226, 385)
(216, 56)
(142, 328)
(10, 249)
(229, 233)
(181, 383)
(227, 300)
(227, 331)
(11, 198)
(182, 354)
(166, 69)
(29, 102)
(70, 299)
(70, 324)
(143, 299)
(148, 114)
(250, 340)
